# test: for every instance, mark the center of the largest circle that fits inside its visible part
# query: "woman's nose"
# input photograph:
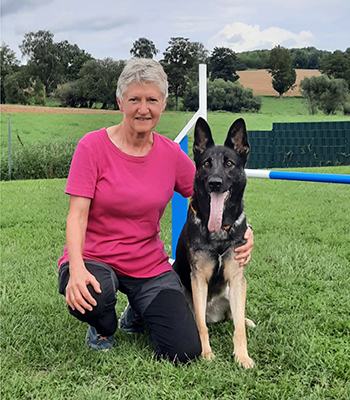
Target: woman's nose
(143, 108)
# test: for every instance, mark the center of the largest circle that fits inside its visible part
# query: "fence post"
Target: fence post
(9, 148)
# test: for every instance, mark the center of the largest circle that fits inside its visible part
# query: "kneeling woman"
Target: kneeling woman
(120, 182)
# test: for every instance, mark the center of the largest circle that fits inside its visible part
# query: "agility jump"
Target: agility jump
(179, 204)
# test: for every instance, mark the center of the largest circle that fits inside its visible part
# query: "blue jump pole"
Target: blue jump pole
(179, 210)
(179, 204)
(298, 176)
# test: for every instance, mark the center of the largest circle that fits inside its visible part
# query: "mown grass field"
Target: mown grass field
(298, 295)
(34, 128)
(298, 290)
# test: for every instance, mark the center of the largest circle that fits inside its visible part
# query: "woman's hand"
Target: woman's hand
(78, 296)
(244, 252)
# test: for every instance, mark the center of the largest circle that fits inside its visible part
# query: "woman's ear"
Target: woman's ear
(165, 104)
(119, 104)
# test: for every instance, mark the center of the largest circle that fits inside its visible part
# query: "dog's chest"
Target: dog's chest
(218, 280)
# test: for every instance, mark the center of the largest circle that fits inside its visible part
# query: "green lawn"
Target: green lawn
(298, 295)
(33, 128)
(298, 286)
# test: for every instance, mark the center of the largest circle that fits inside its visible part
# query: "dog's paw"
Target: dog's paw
(244, 361)
(250, 323)
(208, 356)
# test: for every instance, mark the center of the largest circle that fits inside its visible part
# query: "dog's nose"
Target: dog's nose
(215, 184)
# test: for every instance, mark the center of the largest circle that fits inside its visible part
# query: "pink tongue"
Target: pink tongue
(216, 211)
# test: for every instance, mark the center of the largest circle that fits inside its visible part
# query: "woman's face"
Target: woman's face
(142, 106)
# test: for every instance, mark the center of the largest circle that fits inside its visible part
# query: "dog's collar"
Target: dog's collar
(226, 227)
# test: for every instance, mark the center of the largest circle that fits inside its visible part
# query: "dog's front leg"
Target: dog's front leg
(237, 297)
(199, 285)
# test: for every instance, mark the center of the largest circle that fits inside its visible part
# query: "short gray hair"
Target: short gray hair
(141, 70)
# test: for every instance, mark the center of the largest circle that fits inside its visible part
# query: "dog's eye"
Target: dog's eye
(229, 163)
(207, 163)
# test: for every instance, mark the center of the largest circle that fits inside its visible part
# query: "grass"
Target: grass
(298, 295)
(298, 287)
(34, 128)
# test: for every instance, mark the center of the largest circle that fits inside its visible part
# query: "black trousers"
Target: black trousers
(158, 300)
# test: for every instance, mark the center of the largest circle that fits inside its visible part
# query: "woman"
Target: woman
(120, 181)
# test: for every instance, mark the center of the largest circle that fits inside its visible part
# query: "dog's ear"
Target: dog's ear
(202, 137)
(237, 138)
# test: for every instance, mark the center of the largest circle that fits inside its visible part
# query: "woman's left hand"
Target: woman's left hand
(244, 252)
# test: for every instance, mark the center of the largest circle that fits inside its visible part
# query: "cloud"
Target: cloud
(9, 7)
(242, 37)
(98, 23)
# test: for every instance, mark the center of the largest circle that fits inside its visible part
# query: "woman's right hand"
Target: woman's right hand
(78, 296)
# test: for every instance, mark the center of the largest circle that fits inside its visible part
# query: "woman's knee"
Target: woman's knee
(172, 327)
(104, 311)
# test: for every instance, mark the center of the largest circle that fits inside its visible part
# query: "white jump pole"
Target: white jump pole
(298, 176)
(179, 204)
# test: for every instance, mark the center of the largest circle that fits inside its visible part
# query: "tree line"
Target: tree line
(65, 72)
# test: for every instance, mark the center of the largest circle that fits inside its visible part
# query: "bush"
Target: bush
(225, 96)
(70, 95)
(171, 104)
(190, 100)
(39, 93)
(325, 94)
(39, 161)
(14, 94)
(346, 108)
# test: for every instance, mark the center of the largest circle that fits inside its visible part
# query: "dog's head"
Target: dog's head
(220, 169)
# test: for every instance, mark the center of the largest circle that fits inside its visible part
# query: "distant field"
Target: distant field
(260, 81)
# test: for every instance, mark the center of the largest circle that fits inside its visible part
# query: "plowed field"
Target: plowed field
(260, 81)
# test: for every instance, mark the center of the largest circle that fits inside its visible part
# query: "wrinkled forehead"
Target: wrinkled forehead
(143, 86)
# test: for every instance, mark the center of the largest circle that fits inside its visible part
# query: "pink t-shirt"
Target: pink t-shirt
(129, 195)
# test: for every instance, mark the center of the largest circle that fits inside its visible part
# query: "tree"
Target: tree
(257, 59)
(43, 61)
(282, 70)
(13, 91)
(39, 93)
(71, 59)
(222, 64)
(337, 65)
(143, 48)
(223, 95)
(300, 58)
(98, 81)
(53, 63)
(8, 65)
(70, 94)
(326, 94)
(307, 57)
(179, 62)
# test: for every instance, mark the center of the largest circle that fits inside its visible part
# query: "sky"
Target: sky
(106, 28)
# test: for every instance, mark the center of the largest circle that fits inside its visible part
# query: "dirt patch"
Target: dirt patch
(260, 81)
(9, 108)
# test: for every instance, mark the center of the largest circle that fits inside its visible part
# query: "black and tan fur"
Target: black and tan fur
(214, 282)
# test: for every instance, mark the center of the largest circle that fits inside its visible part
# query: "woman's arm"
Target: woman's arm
(77, 295)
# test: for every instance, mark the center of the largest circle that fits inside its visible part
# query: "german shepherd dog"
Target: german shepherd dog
(214, 283)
